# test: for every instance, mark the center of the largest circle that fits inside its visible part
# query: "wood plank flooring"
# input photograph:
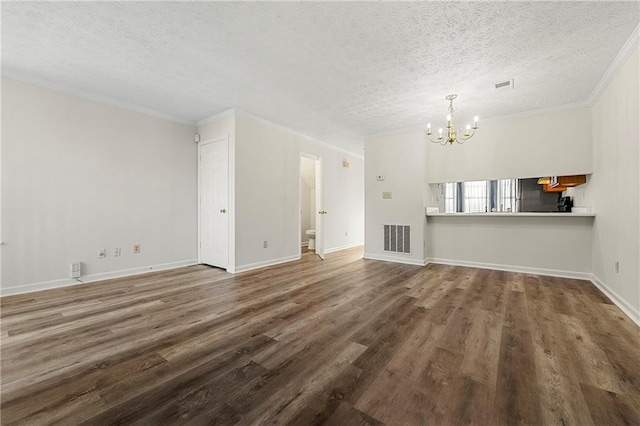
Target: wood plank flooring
(345, 341)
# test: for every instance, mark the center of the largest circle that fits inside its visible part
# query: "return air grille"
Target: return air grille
(508, 83)
(397, 238)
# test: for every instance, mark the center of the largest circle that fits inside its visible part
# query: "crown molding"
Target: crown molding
(416, 128)
(540, 111)
(627, 50)
(498, 118)
(208, 120)
(95, 98)
(241, 113)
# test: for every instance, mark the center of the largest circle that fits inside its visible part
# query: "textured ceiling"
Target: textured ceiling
(334, 71)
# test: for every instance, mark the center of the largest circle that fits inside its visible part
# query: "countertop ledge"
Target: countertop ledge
(505, 214)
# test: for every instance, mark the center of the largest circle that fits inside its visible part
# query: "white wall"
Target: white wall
(267, 177)
(544, 245)
(218, 126)
(78, 176)
(615, 186)
(400, 158)
(409, 163)
(556, 143)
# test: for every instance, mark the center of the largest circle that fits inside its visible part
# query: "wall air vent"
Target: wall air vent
(508, 83)
(397, 238)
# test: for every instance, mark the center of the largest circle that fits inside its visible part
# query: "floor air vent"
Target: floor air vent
(397, 238)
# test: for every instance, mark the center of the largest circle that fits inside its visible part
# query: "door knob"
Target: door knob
(322, 212)
(223, 210)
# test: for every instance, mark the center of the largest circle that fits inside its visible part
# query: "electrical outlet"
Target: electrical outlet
(265, 244)
(617, 266)
(386, 195)
(116, 252)
(136, 248)
(102, 253)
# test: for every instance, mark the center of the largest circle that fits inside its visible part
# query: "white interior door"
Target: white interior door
(213, 188)
(321, 213)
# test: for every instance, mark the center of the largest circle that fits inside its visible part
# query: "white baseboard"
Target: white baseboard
(513, 268)
(48, 285)
(304, 244)
(345, 247)
(395, 259)
(251, 266)
(632, 313)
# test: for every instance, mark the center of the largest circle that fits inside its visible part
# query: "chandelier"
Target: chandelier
(451, 135)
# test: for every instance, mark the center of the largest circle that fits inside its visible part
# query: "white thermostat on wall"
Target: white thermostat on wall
(380, 177)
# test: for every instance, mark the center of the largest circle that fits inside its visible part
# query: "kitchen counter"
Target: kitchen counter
(511, 214)
(538, 243)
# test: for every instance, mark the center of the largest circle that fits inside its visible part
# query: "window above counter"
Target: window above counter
(544, 195)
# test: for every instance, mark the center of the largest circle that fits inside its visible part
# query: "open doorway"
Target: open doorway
(310, 205)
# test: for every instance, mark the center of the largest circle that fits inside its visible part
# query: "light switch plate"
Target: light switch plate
(74, 269)
(386, 195)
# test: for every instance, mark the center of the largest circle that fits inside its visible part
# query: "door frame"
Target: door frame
(224, 138)
(319, 196)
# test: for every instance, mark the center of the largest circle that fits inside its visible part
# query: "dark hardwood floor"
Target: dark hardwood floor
(342, 341)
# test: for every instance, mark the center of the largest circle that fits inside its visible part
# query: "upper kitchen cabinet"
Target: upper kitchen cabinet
(568, 181)
(561, 183)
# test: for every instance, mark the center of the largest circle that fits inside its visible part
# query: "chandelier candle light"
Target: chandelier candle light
(452, 134)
